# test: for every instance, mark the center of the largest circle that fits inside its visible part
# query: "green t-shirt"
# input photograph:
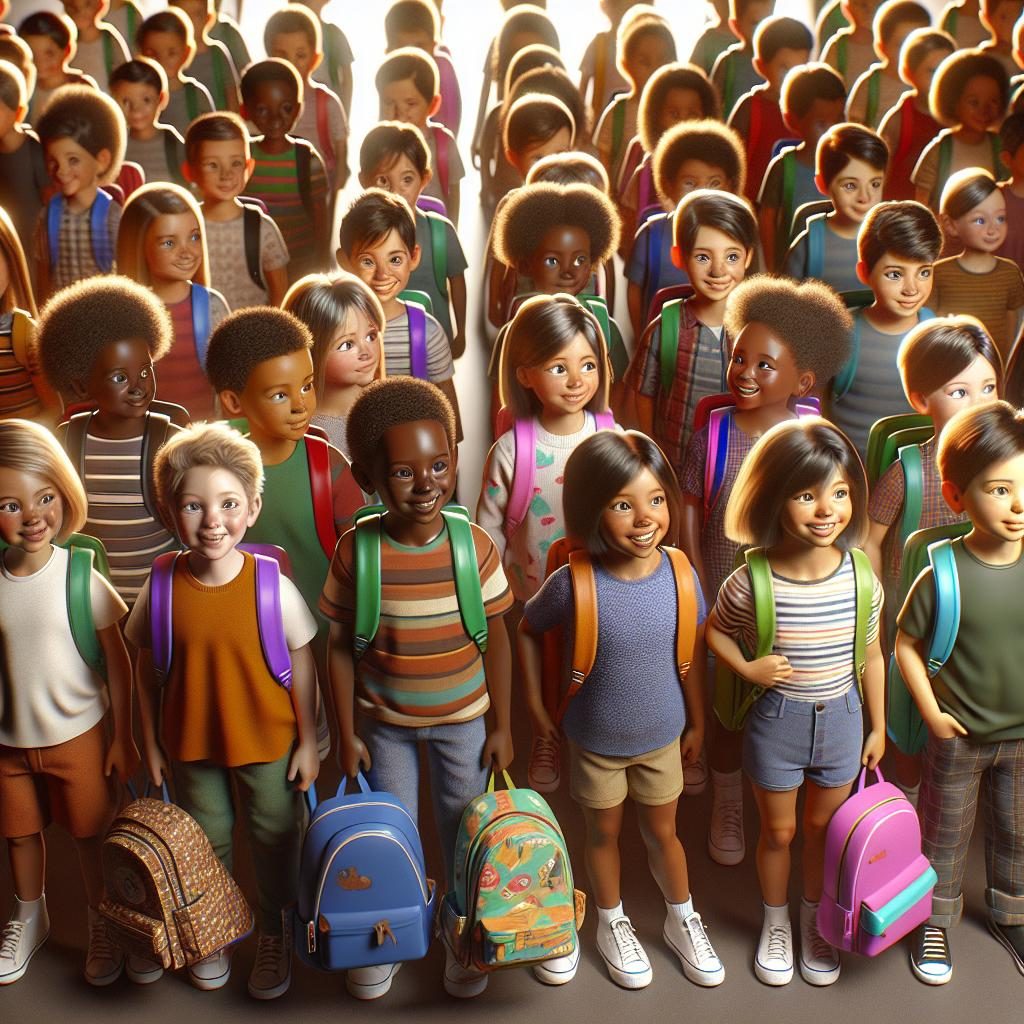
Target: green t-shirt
(981, 684)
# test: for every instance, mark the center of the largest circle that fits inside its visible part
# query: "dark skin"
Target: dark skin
(414, 474)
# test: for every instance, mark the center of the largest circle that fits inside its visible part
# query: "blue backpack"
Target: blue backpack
(364, 896)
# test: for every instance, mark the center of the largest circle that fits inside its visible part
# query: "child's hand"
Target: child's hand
(690, 744)
(498, 752)
(945, 727)
(304, 765)
(156, 765)
(769, 670)
(122, 757)
(354, 756)
(874, 748)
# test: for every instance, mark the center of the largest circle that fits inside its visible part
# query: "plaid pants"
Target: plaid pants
(953, 772)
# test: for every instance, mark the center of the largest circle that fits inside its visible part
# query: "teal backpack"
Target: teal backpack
(899, 439)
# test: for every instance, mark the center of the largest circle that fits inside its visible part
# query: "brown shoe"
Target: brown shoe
(104, 961)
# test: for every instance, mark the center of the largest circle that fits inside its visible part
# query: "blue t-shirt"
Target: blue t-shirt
(652, 253)
(630, 704)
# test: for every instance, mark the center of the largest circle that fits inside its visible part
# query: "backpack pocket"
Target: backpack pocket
(137, 934)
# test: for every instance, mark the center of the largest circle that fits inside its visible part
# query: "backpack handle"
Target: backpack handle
(863, 777)
(165, 793)
(509, 784)
(312, 800)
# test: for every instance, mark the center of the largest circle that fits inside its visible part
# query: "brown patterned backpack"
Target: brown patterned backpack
(168, 898)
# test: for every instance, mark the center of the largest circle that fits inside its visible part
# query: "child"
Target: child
(289, 175)
(347, 324)
(881, 86)
(851, 50)
(377, 243)
(1011, 134)
(813, 98)
(734, 74)
(140, 89)
(82, 133)
(167, 38)
(779, 45)
(54, 747)
(335, 70)
(714, 237)
(801, 498)
(976, 281)
(972, 705)
(402, 435)
(969, 95)
(407, 84)
(52, 40)
(897, 245)
(1000, 17)
(293, 34)
(831, 18)
(220, 717)
(634, 717)
(126, 17)
(599, 68)
(909, 126)
(774, 361)
(572, 168)
(224, 29)
(716, 38)
(112, 366)
(162, 246)
(212, 64)
(697, 154)
(395, 157)
(961, 19)
(100, 47)
(850, 168)
(219, 164)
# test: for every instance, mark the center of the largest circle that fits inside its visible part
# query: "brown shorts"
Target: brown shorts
(64, 783)
(599, 782)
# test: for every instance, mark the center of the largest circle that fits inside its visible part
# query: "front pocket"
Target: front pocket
(137, 934)
(368, 938)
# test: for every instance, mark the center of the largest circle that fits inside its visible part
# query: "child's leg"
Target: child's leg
(1004, 833)
(601, 853)
(665, 854)
(778, 827)
(394, 750)
(203, 790)
(27, 857)
(819, 806)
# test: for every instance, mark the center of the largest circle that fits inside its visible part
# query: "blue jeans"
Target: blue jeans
(453, 759)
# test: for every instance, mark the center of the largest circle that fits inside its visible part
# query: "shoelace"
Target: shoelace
(626, 942)
(11, 939)
(779, 939)
(702, 948)
(269, 953)
(544, 754)
(730, 820)
(100, 946)
(821, 948)
(933, 945)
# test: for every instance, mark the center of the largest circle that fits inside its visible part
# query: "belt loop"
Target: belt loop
(853, 701)
(782, 706)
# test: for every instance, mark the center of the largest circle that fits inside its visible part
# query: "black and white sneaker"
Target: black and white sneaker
(1012, 937)
(930, 959)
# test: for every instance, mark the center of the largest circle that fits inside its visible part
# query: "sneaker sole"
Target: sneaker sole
(209, 984)
(10, 979)
(930, 979)
(707, 979)
(696, 789)
(820, 979)
(727, 858)
(624, 980)
(543, 787)
(465, 990)
(143, 977)
(769, 977)
(106, 979)
(374, 991)
(548, 977)
(271, 993)
(998, 935)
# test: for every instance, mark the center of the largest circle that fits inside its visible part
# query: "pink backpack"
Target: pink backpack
(878, 883)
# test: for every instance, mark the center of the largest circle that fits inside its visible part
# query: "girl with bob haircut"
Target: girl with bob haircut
(347, 323)
(800, 499)
(635, 722)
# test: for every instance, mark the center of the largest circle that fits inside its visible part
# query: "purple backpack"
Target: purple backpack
(878, 883)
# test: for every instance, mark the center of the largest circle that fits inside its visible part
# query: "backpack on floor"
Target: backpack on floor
(364, 897)
(878, 883)
(510, 898)
(168, 897)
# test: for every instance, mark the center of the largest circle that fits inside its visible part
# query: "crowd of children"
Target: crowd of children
(823, 304)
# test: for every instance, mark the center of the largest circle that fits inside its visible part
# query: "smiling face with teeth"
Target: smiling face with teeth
(212, 512)
(635, 521)
(762, 370)
(817, 515)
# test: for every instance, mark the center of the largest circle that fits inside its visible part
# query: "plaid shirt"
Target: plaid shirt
(74, 250)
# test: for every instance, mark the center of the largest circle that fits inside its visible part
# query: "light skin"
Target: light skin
(524, 159)
(981, 231)
(86, 15)
(173, 251)
(854, 191)
(51, 61)
(171, 52)
(901, 286)
(744, 26)
(775, 70)
(352, 362)
(1000, 17)
(12, 133)
(564, 386)
(141, 104)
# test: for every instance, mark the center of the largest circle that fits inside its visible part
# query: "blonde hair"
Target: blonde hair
(26, 447)
(19, 292)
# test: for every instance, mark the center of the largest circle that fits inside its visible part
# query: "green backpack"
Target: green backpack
(734, 695)
(899, 439)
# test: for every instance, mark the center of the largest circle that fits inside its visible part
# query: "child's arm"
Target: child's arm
(766, 671)
(874, 698)
(492, 505)
(498, 751)
(122, 754)
(149, 716)
(452, 200)
(276, 279)
(872, 545)
(693, 696)
(636, 379)
(910, 657)
(530, 661)
(457, 293)
(689, 539)
(304, 765)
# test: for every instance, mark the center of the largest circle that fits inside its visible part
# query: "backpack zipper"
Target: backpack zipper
(849, 836)
(364, 803)
(174, 883)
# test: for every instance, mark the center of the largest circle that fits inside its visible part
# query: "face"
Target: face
(402, 101)
(298, 49)
(402, 178)
(562, 261)
(173, 247)
(385, 265)
(82, 12)
(1001, 16)
(417, 471)
(278, 399)
(856, 189)
(140, 103)
(694, 174)
(222, 169)
(568, 381)
(901, 286)
(74, 169)
(778, 67)
(716, 264)
(273, 108)
(980, 104)
(31, 510)
(679, 105)
(975, 385)
(169, 50)
(122, 381)
(892, 46)
(417, 39)
(1015, 163)
(8, 118)
(211, 511)
(634, 522)
(647, 54)
(762, 370)
(860, 12)
(921, 76)
(196, 11)
(560, 142)
(47, 56)
(355, 352)
(821, 116)
(983, 229)
(994, 500)
(815, 517)
(748, 21)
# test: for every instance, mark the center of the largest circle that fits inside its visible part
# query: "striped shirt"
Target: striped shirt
(422, 668)
(17, 394)
(815, 623)
(398, 345)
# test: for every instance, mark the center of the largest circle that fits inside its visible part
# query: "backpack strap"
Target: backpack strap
(366, 566)
(191, 100)
(160, 579)
(80, 617)
(332, 56)
(864, 583)
(816, 245)
(318, 459)
(74, 439)
(417, 339)
(788, 189)
(54, 210)
(728, 84)
(201, 321)
(756, 121)
(599, 308)
(950, 21)
(219, 78)
(909, 457)
(584, 645)
(999, 169)
(945, 163)
(154, 435)
(844, 379)
(874, 93)
(906, 137)
(271, 620)
(947, 605)
(524, 434)
(686, 609)
(99, 230)
(668, 335)
(323, 130)
(131, 20)
(653, 256)
(604, 420)
(842, 55)
(600, 70)
(439, 251)
(251, 233)
(108, 52)
(467, 575)
(719, 424)
(441, 147)
(644, 189)
(304, 176)
(618, 129)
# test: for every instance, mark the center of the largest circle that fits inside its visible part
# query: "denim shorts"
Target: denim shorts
(787, 741)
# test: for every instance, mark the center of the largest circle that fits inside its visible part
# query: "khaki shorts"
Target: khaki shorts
(600, 782)
(65, 782)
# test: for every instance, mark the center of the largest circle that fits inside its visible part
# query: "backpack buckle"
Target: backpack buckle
(382, 930)
(311, 937)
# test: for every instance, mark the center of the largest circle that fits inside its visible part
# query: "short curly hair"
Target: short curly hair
(263, 72)
(384, 404)
(550, 81)
(248, 337)
(808, 317)
(711, 141)
(115, 309)
(531, 211)
(659, 85)
(952, 77)
(572, 168)
(89, 118)
(809, 82)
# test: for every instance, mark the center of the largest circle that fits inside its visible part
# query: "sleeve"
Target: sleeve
(927, 169)
(457, 263)
(702, 606)
(136, 629)
(642, 375)
(857, 103)
(554, 604)
(636, 268)
(439, 352)
(299, 625)
(771, 187)
(273, 251)
(734, 608)
(456, 168)
(1014, 287)
(916, 615)
(795, 264)
(739, 121)
(886, 501)
(691, 481)
(494, 586)
(337, 123)
(218, 308)
(496, 488)
(338, 599)
(107, 606)
(877, 599)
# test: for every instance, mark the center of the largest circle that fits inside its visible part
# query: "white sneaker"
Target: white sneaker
(622, 953)
(773, 963)
(371, 982)
(20, 939)
(695, 776)
(544, 770)
(689, 941)
(560, 969)
(271, 973)
(726, 844)
(819, 959)
(212, 972)
(104, 961)
(462, 982)
(141, 971)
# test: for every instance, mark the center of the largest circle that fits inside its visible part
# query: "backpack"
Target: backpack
(323, 131)
(363, 895)
(511, 899)
(417, 339)
(441, 153)
(899, 439)
(815, 245)
(439, 250)
(304, 176)
(83, 553)
(618, 129)
(367, 571)
(878, 883)
(251, 228)
(99, 230)
(735, 696)
(874, 94)
(942, 174)
(668, 343)
(168, 897)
